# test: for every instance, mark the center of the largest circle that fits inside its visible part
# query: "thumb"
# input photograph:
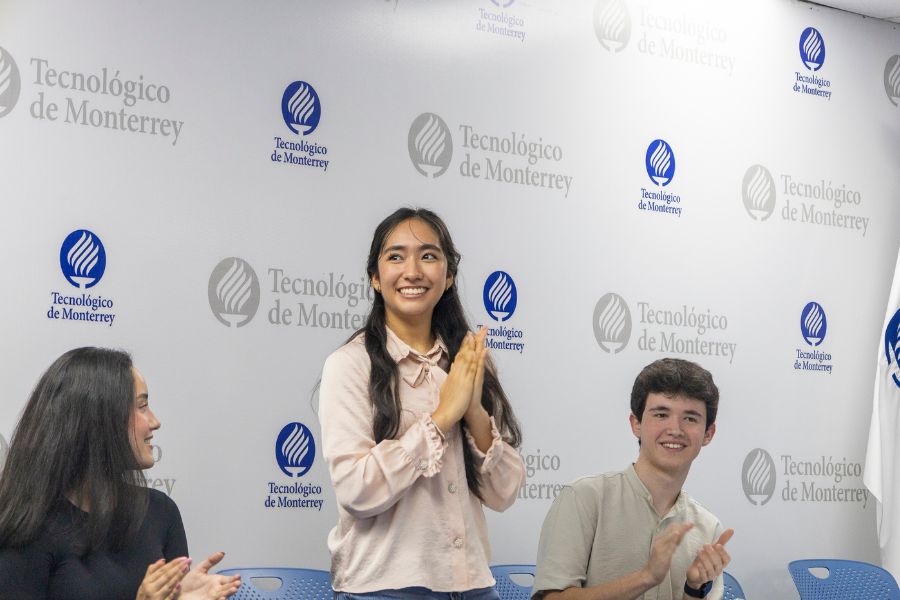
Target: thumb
(211, 561)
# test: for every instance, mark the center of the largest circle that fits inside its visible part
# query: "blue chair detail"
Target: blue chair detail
(296, 584)
(733, 589)
(847, 580)
(508, 589)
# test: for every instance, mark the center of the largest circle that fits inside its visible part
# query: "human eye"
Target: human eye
(393, 257)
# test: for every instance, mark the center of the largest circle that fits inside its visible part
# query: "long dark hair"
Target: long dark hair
(449, 322)
(73, 442)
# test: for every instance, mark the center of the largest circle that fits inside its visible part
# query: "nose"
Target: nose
(154, 422)
(413, 270)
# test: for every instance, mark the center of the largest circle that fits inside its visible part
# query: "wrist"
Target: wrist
(697, 590)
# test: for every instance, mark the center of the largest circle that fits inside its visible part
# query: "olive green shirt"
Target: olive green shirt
(601, 528)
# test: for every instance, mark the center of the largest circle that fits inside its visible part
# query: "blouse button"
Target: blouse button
(458, 543)
(451, 488)
(423, 464)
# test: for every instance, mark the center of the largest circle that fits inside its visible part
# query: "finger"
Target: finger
(726, 535)
(480, 337)
(210, 562)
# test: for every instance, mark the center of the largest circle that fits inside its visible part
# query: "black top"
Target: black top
(52, 567)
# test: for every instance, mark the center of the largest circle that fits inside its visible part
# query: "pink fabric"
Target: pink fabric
(406, 516)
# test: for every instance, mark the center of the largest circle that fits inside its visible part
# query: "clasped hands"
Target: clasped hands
(709, 563)
(461, 393)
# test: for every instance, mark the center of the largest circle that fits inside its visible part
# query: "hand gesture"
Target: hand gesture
(475, 409)
(456, 392)
(711, 560)
(162, 580)
(199, 584)
(663, 549)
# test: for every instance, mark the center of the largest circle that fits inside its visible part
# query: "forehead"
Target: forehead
(140, 384)
(412, 232)
(674, 403)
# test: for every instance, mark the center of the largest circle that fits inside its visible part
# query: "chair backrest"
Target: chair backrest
(846, 579)
(296, 584)
(733, 589)
(507, 588)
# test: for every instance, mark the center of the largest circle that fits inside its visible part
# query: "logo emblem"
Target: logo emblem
(813, 323)
(660, 162)
(295, 449)
(612, 323)
(758, 191)
(500, 296)
(612, 24)
(233, 292)
(502, 3)
(758, 477)
(10, 83)
(430, 145)
(892, 79)
(812, 49)
(892, 346)
(301, 108)
(82, 258)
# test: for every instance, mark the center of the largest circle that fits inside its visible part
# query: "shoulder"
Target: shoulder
(353, 354)
(701, 515)
(160, 504)
(588, 492)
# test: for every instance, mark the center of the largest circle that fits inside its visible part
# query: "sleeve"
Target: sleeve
(175, 544)
(502, 470)
(25, 573)
(369, 478)
(564, 548)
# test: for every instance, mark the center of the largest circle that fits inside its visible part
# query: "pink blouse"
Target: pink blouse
(406, 515)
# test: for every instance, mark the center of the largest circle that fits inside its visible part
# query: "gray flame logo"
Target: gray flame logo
(612, 24)
(83, 257)
(612, 323)
(499, 295)
(430, 145)
(295, 448)
(233, 292)
(758, 477)
(892, 79)
(10, 83)
(302, 105)
(759, 192)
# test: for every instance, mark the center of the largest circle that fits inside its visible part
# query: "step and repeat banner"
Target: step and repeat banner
(198, 183)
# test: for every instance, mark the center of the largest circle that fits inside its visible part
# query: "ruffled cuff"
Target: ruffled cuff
(490, 458)
(425, 448)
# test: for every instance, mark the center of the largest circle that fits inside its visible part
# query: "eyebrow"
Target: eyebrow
(421, 247)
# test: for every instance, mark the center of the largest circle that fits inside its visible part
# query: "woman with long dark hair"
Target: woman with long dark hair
(417, 431)
(76, 521)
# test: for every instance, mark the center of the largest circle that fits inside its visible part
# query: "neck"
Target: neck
(417, 335)
(664, 487)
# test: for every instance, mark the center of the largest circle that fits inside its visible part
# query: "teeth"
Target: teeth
(673, 446)
(412, 291)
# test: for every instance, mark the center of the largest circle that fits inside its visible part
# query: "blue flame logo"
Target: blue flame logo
(295, 449)
(500, 296)
(301, 108)
(82, 258)
(660, 162)
(812, 49)
(892, 346)
(813, 323)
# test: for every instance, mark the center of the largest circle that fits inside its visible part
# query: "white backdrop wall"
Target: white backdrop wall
(784, 198)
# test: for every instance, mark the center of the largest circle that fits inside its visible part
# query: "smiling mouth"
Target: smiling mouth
(412, 291)
(673, 445)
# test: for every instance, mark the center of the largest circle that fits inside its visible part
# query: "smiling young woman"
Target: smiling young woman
(76, 521)
(417, 432)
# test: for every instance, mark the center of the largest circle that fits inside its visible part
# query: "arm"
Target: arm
(25, 573)
(368, 478)
(565, 547)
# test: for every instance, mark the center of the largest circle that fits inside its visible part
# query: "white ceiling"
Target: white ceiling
(880, 9)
